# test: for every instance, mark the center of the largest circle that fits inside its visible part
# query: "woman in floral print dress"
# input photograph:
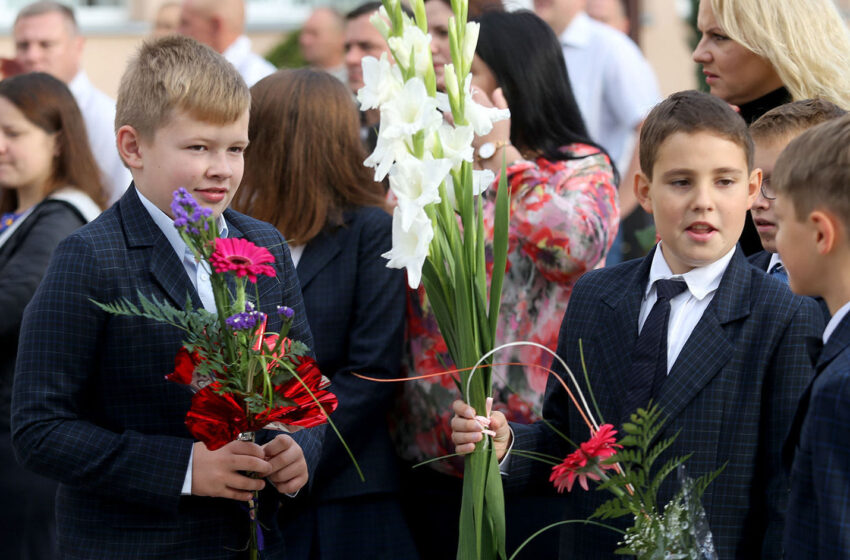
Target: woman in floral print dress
(564, 217)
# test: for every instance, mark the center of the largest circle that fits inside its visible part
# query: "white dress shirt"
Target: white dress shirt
(98, 111)
(775, 259)
(199, 275)
(836, 319)
(687, 308)
(250, 65)
(613, 84)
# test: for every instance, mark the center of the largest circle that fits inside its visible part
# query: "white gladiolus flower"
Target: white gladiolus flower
(480, 117)
(410, 245)
(456, 144)
(412, 40)
(379, 20)
(416, 184)
(481, 180)
(387, 151)
(470, 39)
(410, 111)
(381, 82)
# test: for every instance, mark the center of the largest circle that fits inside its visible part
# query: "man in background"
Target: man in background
(613, 84)
(47, 39)
(322, 42)
(220, 24)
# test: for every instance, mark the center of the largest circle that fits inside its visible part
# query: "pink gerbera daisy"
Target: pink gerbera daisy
(585, 462)
(241, 257)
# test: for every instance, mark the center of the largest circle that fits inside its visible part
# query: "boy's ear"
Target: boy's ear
(642, 192)
(753, 187)
(128, 140)
(827, 229)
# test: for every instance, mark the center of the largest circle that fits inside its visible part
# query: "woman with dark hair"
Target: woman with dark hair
(304, 173)
(49, 187)
(564, 217)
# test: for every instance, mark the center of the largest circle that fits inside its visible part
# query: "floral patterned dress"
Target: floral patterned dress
(564, 217)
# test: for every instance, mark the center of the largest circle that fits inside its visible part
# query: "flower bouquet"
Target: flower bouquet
(627, 468)
(438, 233)
(244, 379)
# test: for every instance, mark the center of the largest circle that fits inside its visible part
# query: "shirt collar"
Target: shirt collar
(577, 34)
(701, 281)
(835, 321)
(775, 259)
(166, 224)
(237, 50)
(79, 85)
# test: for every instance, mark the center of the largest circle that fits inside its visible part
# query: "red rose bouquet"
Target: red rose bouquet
(244, 378)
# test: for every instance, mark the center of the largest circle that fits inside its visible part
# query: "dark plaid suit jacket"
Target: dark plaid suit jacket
(356, 309)
(91, 408)
(818, 525)
(731, 395)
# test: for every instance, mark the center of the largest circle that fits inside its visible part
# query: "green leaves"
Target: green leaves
(655, 534)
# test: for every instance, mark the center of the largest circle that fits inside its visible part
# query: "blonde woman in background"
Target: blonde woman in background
(751, 48)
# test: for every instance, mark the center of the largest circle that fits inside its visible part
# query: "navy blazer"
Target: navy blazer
(731, 395)
(90, 406)
(356, 310)
(760, 260)
(818, 524)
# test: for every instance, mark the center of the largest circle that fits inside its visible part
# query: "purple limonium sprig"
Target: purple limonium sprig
(246, 320)
(285, 312)
(188, 214)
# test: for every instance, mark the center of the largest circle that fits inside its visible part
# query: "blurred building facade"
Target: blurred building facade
(114, 29)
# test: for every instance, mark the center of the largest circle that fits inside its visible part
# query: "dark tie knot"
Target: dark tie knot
(668, 289)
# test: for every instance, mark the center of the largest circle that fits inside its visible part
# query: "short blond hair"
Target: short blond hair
(814, 170)
(806, 42)
(177, 73)
(790, 119)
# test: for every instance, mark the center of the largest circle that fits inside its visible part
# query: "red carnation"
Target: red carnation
(184, 367)
(241, 257)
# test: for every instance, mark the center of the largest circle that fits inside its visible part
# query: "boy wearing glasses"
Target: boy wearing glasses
(771, 133)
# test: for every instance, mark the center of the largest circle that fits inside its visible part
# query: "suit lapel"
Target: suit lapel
(709, 346)
(318, 252)
(838, 341)
(623, 302)
(164, 265)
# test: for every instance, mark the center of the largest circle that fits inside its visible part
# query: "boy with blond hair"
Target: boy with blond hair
(771, 133)
(90, 406)
(812, 208)
(693, 327)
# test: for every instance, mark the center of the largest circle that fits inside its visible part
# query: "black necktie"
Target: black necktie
(649, 359)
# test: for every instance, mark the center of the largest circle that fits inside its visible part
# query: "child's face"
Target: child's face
(767, 152)
(699, 196)
(206, 159)
(796, 246)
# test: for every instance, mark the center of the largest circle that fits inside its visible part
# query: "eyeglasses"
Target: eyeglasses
(767, 191)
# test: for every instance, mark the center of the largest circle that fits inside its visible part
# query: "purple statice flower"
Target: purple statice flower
(285, 312)
(245, 320)
(188, 213)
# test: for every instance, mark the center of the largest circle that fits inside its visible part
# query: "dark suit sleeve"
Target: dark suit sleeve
(789, 375)
(56, 387)
(825, 446)
(54, 221)
(524, 472)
